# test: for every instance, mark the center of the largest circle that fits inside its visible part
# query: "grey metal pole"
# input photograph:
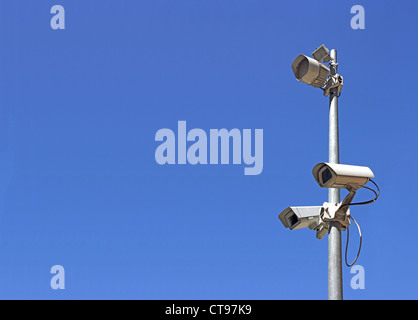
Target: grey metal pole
(335, 278)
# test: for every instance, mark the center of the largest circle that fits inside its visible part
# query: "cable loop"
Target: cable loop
(348, 239)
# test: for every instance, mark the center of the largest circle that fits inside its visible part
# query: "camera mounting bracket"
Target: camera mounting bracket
(339, 211)
(333, 81)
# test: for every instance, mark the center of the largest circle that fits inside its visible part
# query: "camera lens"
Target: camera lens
(326, 175)
(292, 219)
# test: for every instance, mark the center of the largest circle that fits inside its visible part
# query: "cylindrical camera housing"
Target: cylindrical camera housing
(310, 71)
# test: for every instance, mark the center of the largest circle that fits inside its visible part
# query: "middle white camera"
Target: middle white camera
(333, 175)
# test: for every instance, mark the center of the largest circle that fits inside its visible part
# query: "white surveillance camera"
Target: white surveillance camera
(332, 175)
(305, 217)
(310, 71)
(300, 217)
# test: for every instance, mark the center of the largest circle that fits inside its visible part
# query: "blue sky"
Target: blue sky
(80, 187)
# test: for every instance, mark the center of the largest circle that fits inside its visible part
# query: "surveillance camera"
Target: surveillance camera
(300, 217)
(304, 217)
(310, 71)
(332, 175)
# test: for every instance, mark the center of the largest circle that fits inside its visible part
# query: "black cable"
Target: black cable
(348, 239)
(366, 202)
(359, 230)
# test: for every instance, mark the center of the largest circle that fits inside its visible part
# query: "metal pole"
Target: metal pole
(335, 278)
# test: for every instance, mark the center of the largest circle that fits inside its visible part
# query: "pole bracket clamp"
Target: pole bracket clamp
(333, 81)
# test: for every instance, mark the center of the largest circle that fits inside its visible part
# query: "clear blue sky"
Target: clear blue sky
(80, 187)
